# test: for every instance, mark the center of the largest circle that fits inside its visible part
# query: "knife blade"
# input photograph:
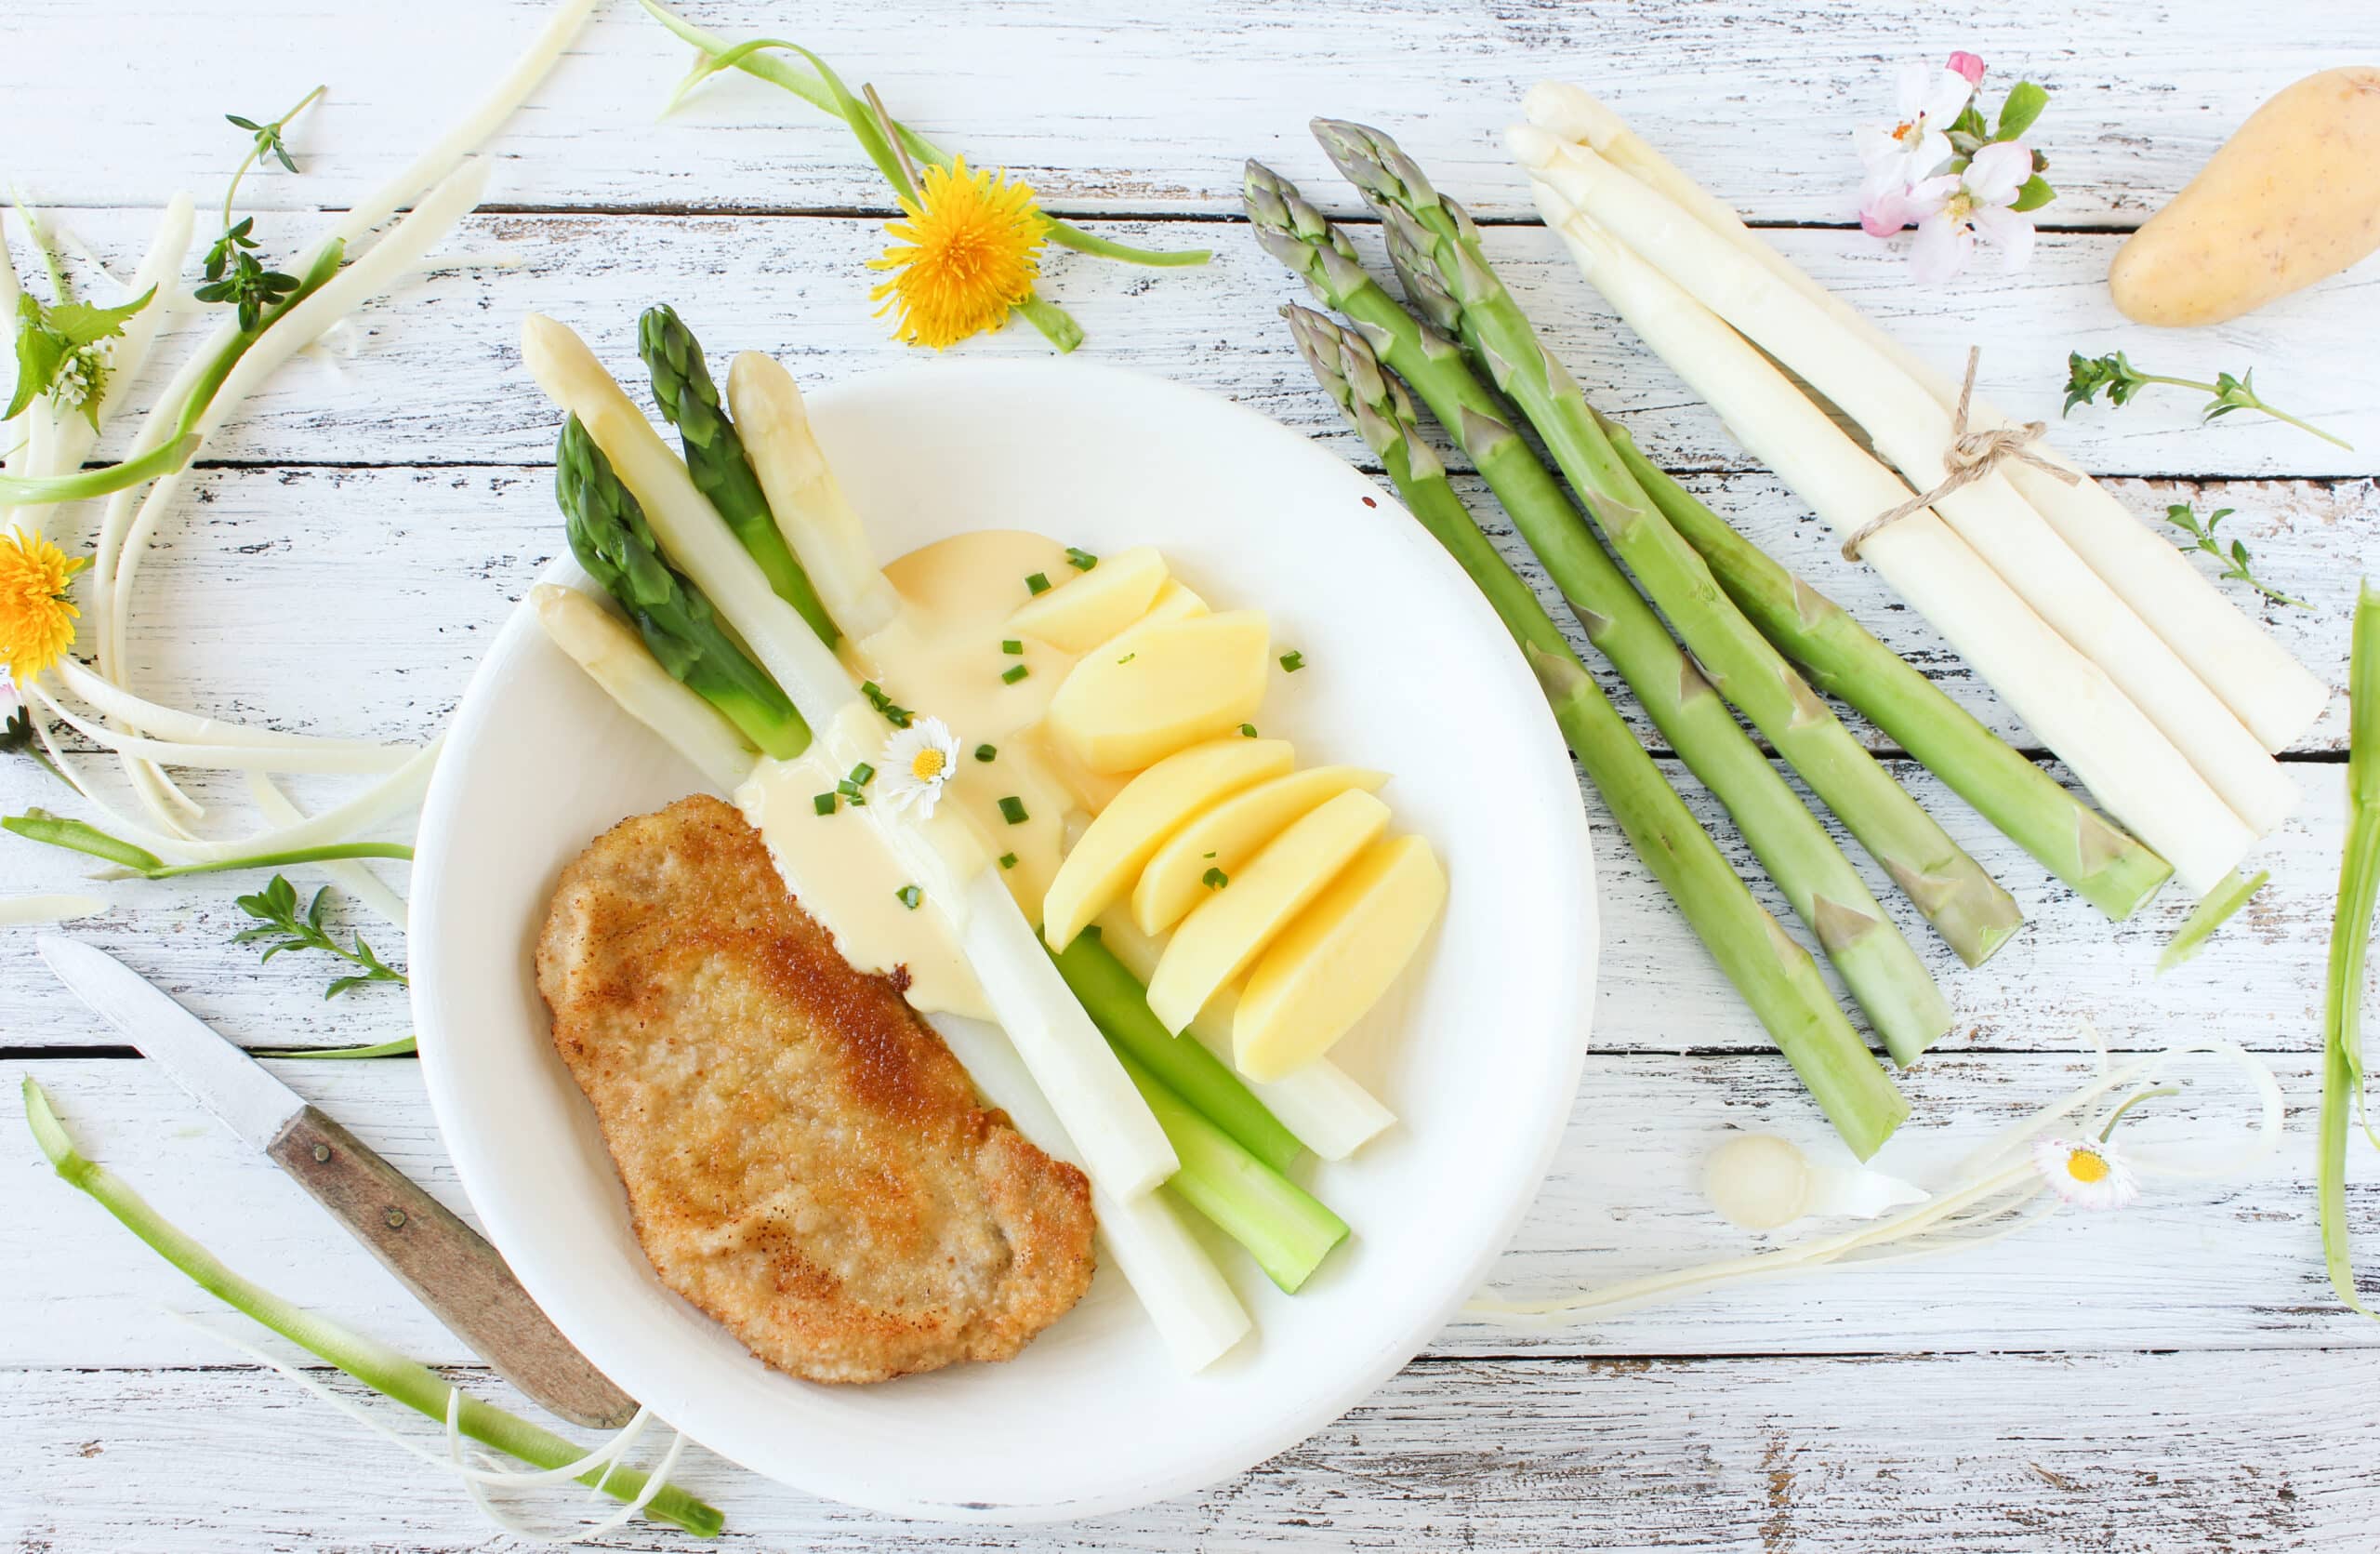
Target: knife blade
(448, 1266)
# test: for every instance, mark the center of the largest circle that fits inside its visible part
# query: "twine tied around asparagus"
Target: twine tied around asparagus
(1970, 457)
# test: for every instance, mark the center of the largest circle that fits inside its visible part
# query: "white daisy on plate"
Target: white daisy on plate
(2086, 1173)
(917, 762)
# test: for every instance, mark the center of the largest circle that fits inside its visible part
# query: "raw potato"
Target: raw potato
(1227, 835)
(1329, 968)
(1231, 926)
(1151, 807)
(1157, 688)
(2292, 199)
(1091, 607)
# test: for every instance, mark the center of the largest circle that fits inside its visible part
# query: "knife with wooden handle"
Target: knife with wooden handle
(448, 1266)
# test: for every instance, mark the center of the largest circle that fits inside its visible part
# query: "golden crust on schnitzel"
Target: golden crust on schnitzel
(804, 1159)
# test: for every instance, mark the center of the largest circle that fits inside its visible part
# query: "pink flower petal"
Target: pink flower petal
(1940, 251)
(1997, 172)
(1968, 65)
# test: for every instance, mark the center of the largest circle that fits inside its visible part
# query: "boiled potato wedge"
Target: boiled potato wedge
(2292, 199)
(1238, 918)
(1173, 601)
(1091, 607)
(1157, 689)
(1228, 834)
(1333, 962)
(1112, 848)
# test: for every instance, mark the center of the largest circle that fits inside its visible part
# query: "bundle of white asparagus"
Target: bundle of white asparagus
(2164, 698)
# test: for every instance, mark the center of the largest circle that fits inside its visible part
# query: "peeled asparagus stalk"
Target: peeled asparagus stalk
(1124, 1150)
(602, 645)
(1913, 431)
(2067, 701)
(806, 497)
(2274, 695)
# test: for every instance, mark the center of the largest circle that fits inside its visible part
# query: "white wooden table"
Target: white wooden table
(2177, 1376)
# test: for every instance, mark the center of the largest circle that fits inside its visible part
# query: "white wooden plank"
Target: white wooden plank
(435, 377)
(2104, 1454)
(1136, 106)
(2230, 1264)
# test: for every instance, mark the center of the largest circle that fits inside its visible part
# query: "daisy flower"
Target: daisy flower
(917, 762)
(972, 242)
(36, 621)
(2086, 1173)
(1898, 153)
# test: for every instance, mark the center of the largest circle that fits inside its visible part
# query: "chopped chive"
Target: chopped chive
(1127, 658)
(1248, 731)
(1012, 647)
(1038, 582)
(862, 774)
(1293, 661)
(1215, 879)
(824, 803)
(1081, 560)
(1013, 673)
(1007, 861)
(909, 896)
(898, 716)
(1205, 855)
(851, 796)
(985, 752)
(1012, 810)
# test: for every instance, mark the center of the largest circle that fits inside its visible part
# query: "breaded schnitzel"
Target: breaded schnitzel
(805, 1161)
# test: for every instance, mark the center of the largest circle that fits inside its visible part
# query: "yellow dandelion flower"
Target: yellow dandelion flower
(36, 622)
(970, 252)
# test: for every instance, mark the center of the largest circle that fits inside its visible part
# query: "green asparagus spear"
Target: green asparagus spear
(689, 401)
(1775, 975)
(1287, 1229)
(608, 536)
(2072, 841)
(2343, 1074)
(1882, 970)
(1437, 252)
(1120, 1006)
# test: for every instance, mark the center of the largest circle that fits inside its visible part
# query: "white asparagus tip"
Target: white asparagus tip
(1531, 147)
(1571, 112)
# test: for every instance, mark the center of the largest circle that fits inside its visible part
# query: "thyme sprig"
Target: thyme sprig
(2234, 557)
(233, 272)
(280, 926)
(2086, 375)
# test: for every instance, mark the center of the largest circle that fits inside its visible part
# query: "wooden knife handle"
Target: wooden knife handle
(449, 1266)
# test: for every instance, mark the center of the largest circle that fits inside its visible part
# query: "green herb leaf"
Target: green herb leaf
(281, 927)
(1080, 560)
(1215, 879)
(1007, 861)
(986, 752)
(1037, 582)
(1012, 647)
(1012, 810)
(1293, 661)
(898, 716)
(2235, 558)
(909, 896)
(1013, 673)
(822, 804)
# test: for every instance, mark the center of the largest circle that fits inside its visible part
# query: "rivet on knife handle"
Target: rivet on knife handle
(449, 1267)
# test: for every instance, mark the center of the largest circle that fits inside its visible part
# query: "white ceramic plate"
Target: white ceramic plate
(1407, 670)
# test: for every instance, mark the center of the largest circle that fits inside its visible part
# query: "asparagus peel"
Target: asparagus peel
(1776, 976)
(2343, 1076)
(715, 457)
(611, 539)
(2104, 863)
(377, 1366)
(1878, 964)
(1437, 252)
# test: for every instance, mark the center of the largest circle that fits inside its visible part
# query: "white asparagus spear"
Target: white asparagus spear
(1193, 1309)
(602, 645)
(1913, 431)
(1124, 1150)
(806, 498)
(2064, 698)
(2274, 695)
